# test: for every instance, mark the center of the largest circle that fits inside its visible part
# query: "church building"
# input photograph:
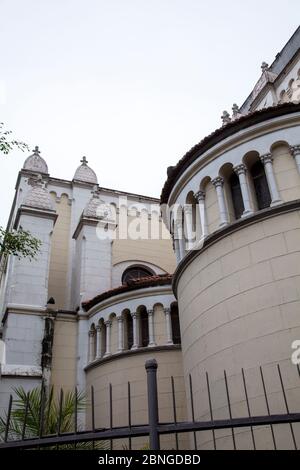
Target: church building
(204, 279)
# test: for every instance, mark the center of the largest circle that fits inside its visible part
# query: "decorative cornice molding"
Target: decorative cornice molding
(20, 370)
(41, 213)
(91, 221)
(127, 353)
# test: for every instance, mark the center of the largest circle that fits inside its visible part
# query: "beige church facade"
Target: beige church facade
(206, 279)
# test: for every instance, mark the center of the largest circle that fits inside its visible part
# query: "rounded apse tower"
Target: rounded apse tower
(233, 208)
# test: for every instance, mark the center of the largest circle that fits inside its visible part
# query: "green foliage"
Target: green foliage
(7, 145)
(51, 416)
(18, 243)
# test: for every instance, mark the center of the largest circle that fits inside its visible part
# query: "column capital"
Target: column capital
(99, 327)
(167, 311)
(108, 323)
(240, 169)
(91, 333)
(295, 150)
(150, 312)
(200, 196)
(134, 315)
(218, 182)
(188, 209)
(120, 319)
(266, 158)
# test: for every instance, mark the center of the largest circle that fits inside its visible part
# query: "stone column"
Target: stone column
(168, 325)
(295, 151)
(151, 328)
(219, 185)
(99, 342)
(91, 344)
(241, 171)
(267, 161)
(188, 215)
(200, 196)
(120, 334)
(135, 327)
(181, 238)
(176, 247)
(108, 331)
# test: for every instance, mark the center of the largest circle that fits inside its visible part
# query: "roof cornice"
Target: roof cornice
(220, 134)
(122, 292)
(43, 213)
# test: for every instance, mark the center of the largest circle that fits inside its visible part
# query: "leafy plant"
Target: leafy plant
(55, 414)
(7, 145)
(19, 243)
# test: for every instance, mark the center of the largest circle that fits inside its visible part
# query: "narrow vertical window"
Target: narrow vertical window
(144, 329)
(236, 195)
(175, 325)
(261, 187)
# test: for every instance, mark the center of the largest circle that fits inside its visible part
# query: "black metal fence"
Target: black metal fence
(154, 428)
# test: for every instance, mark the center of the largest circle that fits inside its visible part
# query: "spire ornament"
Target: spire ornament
(84, 173)
(35, 162)
(226, 119)
(236, 113)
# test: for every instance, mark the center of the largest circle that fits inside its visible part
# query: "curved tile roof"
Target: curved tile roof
(217, 136)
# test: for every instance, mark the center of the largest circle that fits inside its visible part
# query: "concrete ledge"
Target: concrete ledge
(130, 352)
(16, 370)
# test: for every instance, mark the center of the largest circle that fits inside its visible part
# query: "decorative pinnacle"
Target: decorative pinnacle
(235, 109)
(84, 161)
(264, 67)
(36, 150)
(225, 118)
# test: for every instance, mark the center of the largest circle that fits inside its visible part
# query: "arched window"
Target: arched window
(236, 195)
(103, 338)
(261, 187)
(135, 272)
(175, 324)
(93, 345)
(144, 330)
(129, 331)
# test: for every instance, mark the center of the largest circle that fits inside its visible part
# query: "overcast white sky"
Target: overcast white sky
(131, 84)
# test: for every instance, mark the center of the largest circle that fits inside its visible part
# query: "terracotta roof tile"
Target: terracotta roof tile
(217, 136)
(150, 281)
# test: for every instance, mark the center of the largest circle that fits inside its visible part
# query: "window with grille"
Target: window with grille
(133, 273)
